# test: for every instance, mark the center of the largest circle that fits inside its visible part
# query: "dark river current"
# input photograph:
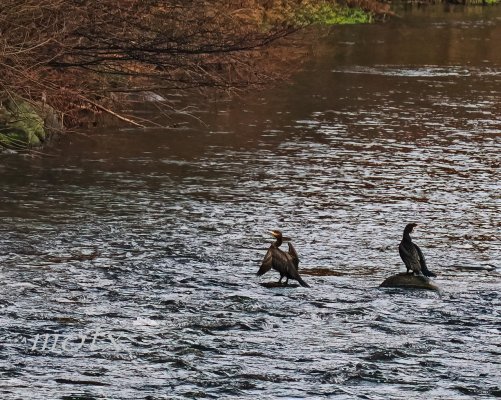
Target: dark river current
(128, 258)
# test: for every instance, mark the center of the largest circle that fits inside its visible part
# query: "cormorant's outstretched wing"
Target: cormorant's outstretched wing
(422, 262)
(283, 263)
(267, 262)
(293, 254)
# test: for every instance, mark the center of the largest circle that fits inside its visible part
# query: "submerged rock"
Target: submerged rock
(405, 280)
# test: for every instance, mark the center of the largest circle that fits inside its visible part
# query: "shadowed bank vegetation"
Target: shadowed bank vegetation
(459, 2)
(78, 57)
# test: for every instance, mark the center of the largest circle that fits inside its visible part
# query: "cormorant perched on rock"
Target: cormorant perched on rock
(285, 263)
(412, 255)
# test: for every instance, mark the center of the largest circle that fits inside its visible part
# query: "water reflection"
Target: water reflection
(154, 236)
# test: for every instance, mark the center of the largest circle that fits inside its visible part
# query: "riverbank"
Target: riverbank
(74, 57)
(79, 82)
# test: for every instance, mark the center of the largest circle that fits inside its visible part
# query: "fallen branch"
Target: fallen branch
(111, 112)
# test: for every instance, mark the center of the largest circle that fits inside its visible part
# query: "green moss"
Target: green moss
(459, 2)
(20, 125)
(26, 118)
(332, 14)
(34, 132)
(13, 138)
(476, 2)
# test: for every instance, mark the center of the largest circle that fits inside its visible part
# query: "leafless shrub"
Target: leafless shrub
(79, 54)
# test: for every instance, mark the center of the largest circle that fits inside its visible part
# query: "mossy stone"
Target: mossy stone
(20, 125)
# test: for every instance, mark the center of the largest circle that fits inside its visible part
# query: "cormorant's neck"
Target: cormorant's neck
(407, 236)
(279, 241)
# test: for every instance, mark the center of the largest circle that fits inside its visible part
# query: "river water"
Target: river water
(140, 248)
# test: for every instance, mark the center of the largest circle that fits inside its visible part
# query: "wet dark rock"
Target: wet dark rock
(484, 267)
(278, 285)
(65, 381)
(321, 272)
(409, 281)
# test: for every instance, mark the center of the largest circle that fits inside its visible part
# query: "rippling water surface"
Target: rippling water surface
(139, 248)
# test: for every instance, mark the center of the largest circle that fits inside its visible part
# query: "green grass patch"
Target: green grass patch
(332, 14)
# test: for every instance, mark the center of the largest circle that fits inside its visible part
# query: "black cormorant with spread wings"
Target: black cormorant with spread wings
(412, 255)
(285, 263)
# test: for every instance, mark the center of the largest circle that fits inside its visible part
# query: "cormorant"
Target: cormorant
(285, 263)
(411, 254)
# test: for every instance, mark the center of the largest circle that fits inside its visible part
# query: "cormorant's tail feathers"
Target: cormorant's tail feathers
(301, 282)
(426, 271)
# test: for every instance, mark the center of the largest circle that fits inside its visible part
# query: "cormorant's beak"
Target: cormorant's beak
(273, 233)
